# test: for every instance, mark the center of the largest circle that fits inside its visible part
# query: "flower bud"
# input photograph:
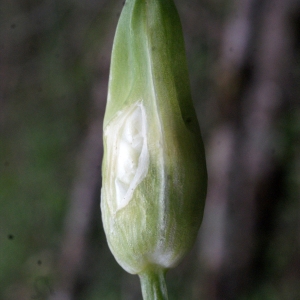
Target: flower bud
(154, 172)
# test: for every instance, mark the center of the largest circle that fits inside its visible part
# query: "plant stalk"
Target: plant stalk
(153, 284)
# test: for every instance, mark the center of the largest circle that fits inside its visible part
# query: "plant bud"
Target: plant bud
(154, 172)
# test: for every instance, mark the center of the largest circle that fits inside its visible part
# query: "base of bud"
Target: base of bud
(153, 284)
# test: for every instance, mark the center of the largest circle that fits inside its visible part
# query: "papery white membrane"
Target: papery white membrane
(127, 149)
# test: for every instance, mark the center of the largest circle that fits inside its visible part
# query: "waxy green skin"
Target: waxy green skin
(160, 221)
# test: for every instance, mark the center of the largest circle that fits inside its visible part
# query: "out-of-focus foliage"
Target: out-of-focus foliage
(54, 58)
(49, 52)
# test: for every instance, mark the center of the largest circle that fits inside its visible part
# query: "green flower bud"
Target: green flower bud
(154, 173)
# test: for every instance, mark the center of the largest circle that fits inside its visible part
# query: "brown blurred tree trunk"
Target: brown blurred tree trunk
(253, 67)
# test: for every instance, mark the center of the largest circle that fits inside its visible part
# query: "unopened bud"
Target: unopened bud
(154, 173)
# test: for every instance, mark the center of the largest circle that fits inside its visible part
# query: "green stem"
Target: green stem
(153, 284)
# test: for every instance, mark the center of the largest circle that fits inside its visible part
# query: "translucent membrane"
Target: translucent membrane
(127, 144)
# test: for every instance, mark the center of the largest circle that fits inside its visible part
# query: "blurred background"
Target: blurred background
(244, 63)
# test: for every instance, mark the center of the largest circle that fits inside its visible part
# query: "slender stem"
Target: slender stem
(153, 284)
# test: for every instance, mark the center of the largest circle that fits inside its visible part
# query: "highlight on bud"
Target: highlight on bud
(127, 151)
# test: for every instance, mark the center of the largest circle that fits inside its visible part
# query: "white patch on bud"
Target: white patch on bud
(128, 154)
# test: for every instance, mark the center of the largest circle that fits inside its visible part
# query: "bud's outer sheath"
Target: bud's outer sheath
(154, 172)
